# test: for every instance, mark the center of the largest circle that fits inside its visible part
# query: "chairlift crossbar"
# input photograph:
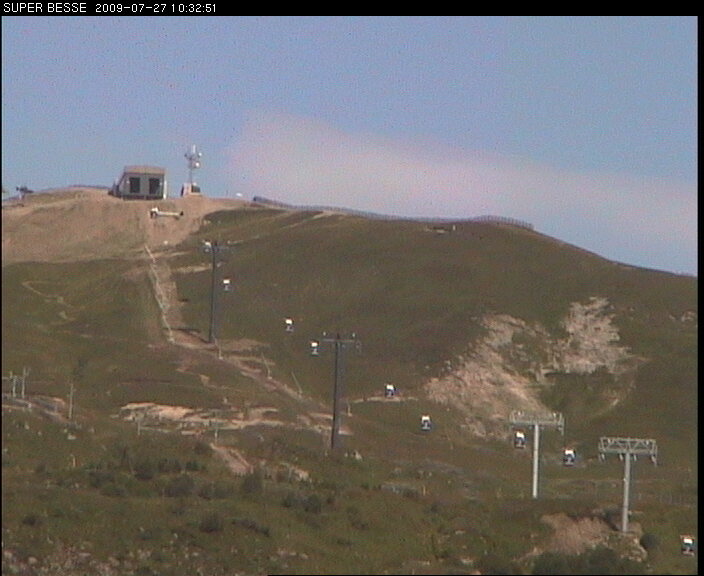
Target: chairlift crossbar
(521, 418)
(609, 445)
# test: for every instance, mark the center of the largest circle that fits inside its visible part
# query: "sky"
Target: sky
(585, 127)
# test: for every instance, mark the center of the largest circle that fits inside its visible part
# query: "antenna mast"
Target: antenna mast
(193, 157)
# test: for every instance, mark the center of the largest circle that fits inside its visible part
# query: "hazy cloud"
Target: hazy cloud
(621, 217)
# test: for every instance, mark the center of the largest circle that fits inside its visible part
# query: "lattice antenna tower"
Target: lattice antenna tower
(193, 157)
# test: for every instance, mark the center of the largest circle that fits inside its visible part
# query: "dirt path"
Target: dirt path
(237, 463)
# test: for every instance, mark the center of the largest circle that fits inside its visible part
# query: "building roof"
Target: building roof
(144, 170)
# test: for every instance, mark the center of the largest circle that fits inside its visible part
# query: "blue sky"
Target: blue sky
(585, 127)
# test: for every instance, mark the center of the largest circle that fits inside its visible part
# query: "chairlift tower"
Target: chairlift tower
(627, 449)
(340, 344)
(536, 420)
(215, 250)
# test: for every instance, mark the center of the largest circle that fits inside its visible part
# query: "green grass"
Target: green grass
(415, 501)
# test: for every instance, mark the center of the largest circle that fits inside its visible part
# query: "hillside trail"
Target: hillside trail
(86, 223)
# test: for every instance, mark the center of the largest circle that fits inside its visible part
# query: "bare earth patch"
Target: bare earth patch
(504, 370)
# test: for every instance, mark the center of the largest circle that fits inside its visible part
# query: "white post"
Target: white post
(626, 491)
(536, 457)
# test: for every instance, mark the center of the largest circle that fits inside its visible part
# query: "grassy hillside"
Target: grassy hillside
(102, 494)
(415, 299)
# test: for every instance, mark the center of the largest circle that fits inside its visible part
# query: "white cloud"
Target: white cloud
(303, 161)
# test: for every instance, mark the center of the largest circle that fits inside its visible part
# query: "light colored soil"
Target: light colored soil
(575, 535)
(84, 223)
(505, 369)
(237, 463)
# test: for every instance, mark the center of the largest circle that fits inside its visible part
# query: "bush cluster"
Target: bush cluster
(179, 486)
(600, 560)
(211, 522)
(311, 503)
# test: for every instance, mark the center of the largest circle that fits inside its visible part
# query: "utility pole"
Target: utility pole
(215, 249)
(70, 402)
(627, 449)
(25, 373)
(13, 382)
(552, 420)
(340, 345)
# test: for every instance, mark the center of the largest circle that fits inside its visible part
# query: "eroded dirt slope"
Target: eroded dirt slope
(505, 369)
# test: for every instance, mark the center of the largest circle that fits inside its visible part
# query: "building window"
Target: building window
(134, 185)
(154, 186)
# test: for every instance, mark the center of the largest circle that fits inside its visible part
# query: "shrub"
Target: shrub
(290, 500)
(202, 448)
(144, 469)
(313, 504)
(600, 560)
(649, 541)
(165, 466)
(211, 523)
(253, 483)
(194, 466)
(495, 564)
(98, 478)
(551, 563)
(180, 486)
(252, 525)
(113, 490)
(213, 490)
(31, 520)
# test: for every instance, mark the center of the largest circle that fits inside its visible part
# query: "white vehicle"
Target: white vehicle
(390, 391)
(519, 439)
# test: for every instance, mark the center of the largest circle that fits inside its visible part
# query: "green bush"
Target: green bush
(202, 448)
(166, 466)
(252, 525)
(289, 500)
(32, 519)
(215, 490)
(211, 523)
(180, 486)
(552, 563)
(98, 478)
(253, 483)
(144, 469)
(495, 564)
(313, 504)
(113, 490)
(194, 466)
(600, 560)
(649, 541)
